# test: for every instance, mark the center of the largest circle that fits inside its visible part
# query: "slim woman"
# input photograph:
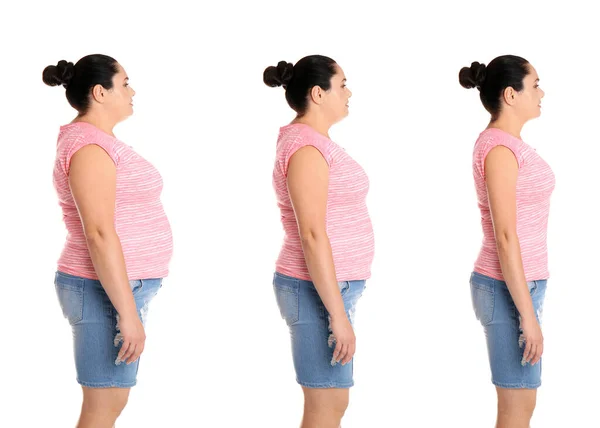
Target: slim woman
(119, 240)
(513, 185)
(328, 246)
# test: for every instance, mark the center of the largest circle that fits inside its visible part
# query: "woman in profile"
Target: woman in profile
(513, 185)
(119, 242)
(328, 246)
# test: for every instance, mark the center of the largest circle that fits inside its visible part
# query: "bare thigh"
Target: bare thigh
(515, 407)
(102, 406)
(324, 407)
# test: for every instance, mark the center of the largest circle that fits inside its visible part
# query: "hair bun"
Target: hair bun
(59, 74)
(280, 75)
(472, 77)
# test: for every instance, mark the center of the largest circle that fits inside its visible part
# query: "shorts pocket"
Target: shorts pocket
(344, 287)
(136, 286)
(482, 296)
(537, 289)
(70, 297)
(288, 298)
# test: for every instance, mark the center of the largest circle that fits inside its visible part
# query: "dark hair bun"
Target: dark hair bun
(59, 74)
(280, 75)
(472, 77)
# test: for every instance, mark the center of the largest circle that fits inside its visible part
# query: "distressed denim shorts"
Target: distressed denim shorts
(312, 340)
(495, 309)
(96, 337)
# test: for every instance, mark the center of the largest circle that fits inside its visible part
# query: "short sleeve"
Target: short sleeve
(321, 144)
(72, 145)
(485, 147)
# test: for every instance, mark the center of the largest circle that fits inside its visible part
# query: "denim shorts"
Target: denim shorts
(96, 338)
(308, 321)
(495, 309)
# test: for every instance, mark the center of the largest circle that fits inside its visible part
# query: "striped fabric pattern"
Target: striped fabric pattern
(535, 184)
(348, 224)
(140, 220)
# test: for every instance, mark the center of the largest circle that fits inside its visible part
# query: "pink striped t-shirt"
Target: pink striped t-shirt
(140, 221)
(535, 183)
(348, 224)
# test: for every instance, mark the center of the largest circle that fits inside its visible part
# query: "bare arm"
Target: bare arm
(308, 180)
(501, 170)
(92, 178)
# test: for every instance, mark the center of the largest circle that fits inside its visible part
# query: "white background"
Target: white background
(217, 353)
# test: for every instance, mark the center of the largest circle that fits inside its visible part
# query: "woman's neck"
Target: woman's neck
(317, 122)
(510, 124)
(100, 122)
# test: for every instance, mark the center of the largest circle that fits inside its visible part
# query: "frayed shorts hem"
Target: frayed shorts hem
(517, 385)
(325, 385)
(107, 384)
